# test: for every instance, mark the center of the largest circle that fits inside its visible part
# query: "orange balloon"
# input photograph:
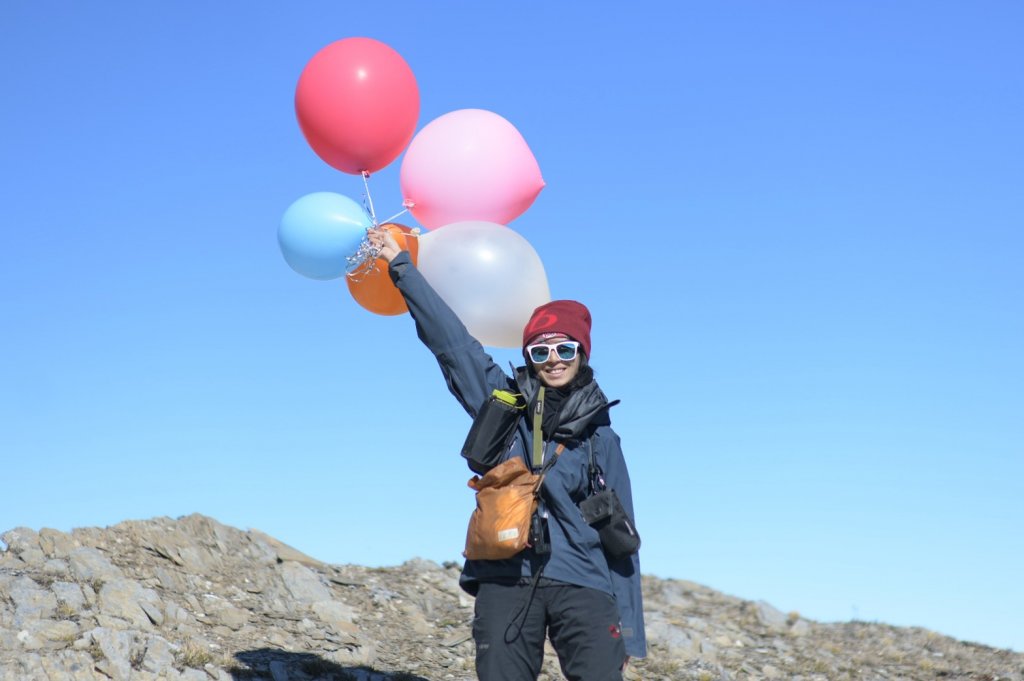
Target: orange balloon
(371, 286)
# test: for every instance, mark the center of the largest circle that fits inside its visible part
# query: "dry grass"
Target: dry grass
(65, 611)
(192, 654)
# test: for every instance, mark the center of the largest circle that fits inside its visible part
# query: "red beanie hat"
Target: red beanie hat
(560, 316)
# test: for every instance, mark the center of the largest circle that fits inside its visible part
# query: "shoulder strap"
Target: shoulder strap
(544, 469)
(538, 436)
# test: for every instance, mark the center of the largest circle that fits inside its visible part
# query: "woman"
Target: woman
(587, 603)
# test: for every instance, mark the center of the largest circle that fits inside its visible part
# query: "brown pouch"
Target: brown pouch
(506, 498)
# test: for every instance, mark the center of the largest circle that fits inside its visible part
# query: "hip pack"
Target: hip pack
(507, 495)
(506, 498)
(506, 503)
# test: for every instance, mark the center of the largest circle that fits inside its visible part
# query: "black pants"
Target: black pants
(583, 625)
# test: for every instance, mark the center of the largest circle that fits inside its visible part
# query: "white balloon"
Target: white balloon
(489, 275)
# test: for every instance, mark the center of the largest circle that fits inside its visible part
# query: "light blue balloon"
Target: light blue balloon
(319, 231)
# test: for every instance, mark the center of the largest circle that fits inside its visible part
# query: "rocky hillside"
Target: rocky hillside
(194, 599)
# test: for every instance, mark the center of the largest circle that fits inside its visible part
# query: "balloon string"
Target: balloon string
(363, 261)
(369, 199)
(402, 212)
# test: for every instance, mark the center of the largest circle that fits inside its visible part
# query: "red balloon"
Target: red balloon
(357, 103)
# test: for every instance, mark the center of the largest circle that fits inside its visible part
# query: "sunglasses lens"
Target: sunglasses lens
(539, 353)
(566, 351)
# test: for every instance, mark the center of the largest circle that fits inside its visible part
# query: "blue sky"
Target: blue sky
(798, 226)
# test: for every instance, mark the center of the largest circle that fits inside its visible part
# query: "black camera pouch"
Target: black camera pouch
(492, 431)
(604, 512)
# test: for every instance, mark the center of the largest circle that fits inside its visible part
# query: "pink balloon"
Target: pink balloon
(357, 103)
(469, 165)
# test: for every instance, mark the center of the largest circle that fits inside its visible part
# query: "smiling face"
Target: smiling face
(556, 372)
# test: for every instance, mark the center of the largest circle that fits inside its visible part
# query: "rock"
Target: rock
(193, 675)
(176, 615)
(29, 641)
(31, 601)
(170, 580)
(671, 635)
(116, 649)
(220, 612)
(191, 599)
(90, 565)
(281, 551)
(304, 585)
(800, 628)
(56, 567)
(53, 631)
(159, 655)
(89, 594)
(150, 607)
(124, 599)
(334, 612)
(21, 539)
(63, 665)
(69, 665)
(354, 656)
(770, 616)
(56, 544)
(674, 594)
(416, 619)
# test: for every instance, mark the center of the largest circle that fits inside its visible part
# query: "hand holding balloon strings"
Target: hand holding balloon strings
(371, 285)
(383, 243)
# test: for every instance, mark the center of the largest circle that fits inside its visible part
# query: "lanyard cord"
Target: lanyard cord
(593, 472)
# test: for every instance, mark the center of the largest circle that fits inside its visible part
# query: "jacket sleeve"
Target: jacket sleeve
(470, 372)
(625, 572)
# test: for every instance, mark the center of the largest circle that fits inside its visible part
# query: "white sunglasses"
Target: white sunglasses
(565, 351)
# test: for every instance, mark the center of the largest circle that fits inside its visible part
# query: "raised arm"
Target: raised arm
(470, 372)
